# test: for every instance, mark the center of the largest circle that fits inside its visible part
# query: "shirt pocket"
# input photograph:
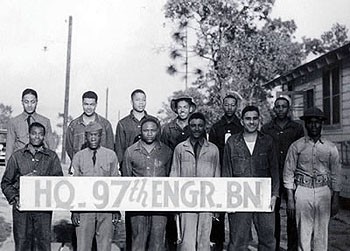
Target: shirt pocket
(240, 164)
(262, 161)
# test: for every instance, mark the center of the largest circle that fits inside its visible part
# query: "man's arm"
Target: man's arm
(69, 141)
(226, 163)
(335, 179)
(176, 163)
(217, 163)
(274, 167)
(290, 166)
(56, 167)
(127, 164)
(120, 141)
(10, 181)
(109, 136)
(49, 139)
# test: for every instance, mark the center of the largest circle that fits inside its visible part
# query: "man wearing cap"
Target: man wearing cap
(95, 160)
(252, 154)
(195, 157)
(312, 179)
(284, 131)
(228, 125)
(177, 130)
(17, 129)
(31, 229)
(75, 139)
(148, 157)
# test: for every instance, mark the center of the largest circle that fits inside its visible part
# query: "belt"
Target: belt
(312, 182)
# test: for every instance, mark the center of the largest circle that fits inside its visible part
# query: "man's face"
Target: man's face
(138, 102)
(89, 106)
(183, 109)
(197, 128)
(250, 121)
(94, 139)
(281, 108)
(29, 103)
(36, 136)
(230, 106)
(313, 127)
(149, 132)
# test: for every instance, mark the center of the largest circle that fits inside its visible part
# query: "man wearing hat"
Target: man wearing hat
(177, 130)
(228, 125)
(95, 160)
(312, 179)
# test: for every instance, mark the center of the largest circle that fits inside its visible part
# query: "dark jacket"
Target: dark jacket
(238, 162)
(44, 162)
(220, 128)
(173, 134)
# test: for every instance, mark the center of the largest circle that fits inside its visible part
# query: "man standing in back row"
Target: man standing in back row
(219, 133)
(284, 131)
(17, 130)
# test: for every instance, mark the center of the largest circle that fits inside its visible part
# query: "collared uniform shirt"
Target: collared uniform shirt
(140, 163)
(106, 163)
(185, 164)
(283, 137)
(220, 129)
(173, 134)
(312, 159)
(238, 162)
(75, 138)
(127, 133)
(27, 162)
(18, 132)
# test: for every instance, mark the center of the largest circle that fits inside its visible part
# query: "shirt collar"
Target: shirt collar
(321, 139)
(42, 149)
(26, 115)
(81, 120)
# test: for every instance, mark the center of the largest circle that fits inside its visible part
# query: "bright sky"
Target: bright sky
(116, 44)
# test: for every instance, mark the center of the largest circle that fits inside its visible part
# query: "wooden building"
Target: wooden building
(325, 83)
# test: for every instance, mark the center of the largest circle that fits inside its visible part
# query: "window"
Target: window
(331, 96)
(309, 99)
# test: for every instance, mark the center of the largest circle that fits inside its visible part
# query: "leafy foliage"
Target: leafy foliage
(5, 115)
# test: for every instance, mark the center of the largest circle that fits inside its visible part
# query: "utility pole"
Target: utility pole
(186, 59)
(66, 95)
(107, 103)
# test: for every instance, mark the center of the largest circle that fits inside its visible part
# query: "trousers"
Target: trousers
(312, 213)
(32, 230)
(95, 224)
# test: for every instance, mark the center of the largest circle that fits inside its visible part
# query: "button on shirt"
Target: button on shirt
(138, 162)
(106, 163)
(76, 135)
(18, 132)
(173, 134)
(127, 133)
(312, 159)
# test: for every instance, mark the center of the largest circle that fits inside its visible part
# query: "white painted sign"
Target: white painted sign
(145, 194)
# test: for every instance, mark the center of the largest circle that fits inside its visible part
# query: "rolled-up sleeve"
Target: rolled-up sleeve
(290, 166)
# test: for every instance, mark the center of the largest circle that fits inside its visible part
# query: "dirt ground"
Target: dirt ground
(339, 229)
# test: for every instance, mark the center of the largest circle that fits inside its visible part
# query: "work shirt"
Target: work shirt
(238, 162)
(283, 137)
(173, 134)
(75, 138)
(18, 132)
(127, 133)
(305, 157)
(185, 163)
(106, 163)
(28, 162)
(220, 131)
(138, 162)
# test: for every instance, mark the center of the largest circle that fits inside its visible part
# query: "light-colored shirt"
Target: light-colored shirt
(18, 132)
(305, 157)
(106, 163)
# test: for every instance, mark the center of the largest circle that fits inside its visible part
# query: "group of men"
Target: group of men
(303, 169)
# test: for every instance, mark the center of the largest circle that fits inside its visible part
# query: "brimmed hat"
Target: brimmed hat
(186, 98)
(313, 112)
(93, 127)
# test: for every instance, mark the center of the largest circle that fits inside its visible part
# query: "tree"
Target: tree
(5, 115)
(240, 46)
(336, 37)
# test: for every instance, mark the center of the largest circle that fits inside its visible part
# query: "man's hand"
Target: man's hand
(116, 218)
(273, 203)
(15, 203)
(290, 204)
(75, 217)
(335, 204)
